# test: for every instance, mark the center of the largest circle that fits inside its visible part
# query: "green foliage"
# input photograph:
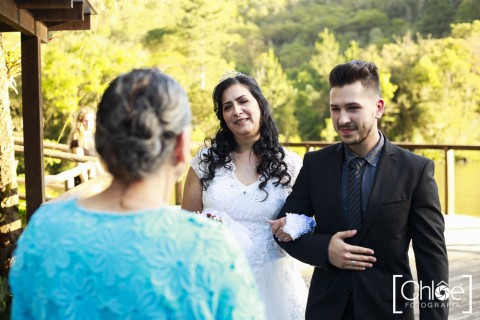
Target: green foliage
(468, 11)
(424, 80)
(437, 18)
(365, 20)
(75, 75)
(294, 54)
(438, 88)
(278, 91)
(327, 54)
(309, 113)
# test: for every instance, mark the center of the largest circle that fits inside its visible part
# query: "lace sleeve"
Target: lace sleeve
(294, 162)
(197, 165)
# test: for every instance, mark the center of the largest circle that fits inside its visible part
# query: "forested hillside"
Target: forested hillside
(428, 52)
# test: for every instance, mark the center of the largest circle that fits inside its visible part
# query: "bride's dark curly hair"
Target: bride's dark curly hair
(267, 148)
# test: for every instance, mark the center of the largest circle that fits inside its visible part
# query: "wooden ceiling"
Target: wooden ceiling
(37, 17)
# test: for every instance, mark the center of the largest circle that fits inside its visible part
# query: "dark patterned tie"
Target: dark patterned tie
(355, 194)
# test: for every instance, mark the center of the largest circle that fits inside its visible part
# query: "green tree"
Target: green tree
(468, 11)
(310, 112)
(436, 18)
(75, 75)
(327, 55)
(192, 51)
(438, 89)
(410, 10)
(278, 91)
(10, 224)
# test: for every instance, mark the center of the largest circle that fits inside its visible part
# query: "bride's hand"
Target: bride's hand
(277, 229)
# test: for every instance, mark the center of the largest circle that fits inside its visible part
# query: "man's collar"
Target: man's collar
(372, 157)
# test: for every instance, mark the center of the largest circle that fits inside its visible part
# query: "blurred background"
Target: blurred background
(428, 53)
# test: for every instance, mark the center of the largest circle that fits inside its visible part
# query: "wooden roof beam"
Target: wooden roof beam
(70, 25)
(21, 20)
(45, 4)
(6, 28)
(74, 14)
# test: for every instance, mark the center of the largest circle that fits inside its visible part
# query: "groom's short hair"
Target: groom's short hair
(355, 70)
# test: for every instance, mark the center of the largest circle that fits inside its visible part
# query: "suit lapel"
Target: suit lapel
(381, 186)
(332, 215)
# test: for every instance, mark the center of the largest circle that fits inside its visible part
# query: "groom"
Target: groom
(370, 199)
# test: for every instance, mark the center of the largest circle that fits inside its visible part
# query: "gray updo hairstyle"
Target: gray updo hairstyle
(138, 120)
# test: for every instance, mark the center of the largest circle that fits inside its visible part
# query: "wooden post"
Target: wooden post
(178, 192)
(449, 181)
(32, 123)
(69, 183)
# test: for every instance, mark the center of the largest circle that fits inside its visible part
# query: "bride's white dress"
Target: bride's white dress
(279, 279)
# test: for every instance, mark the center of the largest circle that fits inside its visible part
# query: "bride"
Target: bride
(245, 173)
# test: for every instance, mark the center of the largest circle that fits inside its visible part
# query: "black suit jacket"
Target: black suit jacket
(403, 208)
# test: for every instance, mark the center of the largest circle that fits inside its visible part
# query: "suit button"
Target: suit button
(345, 289)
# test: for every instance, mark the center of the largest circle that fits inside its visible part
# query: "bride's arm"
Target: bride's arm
(309, 248)
(192, 192)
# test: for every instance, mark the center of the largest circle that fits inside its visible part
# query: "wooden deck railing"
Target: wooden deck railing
(449, 161)
(87, 164)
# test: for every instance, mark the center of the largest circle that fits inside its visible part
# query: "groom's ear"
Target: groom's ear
(380, 108)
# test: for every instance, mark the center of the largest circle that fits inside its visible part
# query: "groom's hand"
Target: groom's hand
(345, 256)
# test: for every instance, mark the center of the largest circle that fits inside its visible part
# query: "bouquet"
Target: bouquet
(241, 233)
(213, 215)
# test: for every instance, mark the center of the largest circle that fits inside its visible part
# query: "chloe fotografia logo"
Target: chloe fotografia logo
(442, 291)
(432, 295)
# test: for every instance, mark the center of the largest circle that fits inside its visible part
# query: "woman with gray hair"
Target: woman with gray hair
(124, 253)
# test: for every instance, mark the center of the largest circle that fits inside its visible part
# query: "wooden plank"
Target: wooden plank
(449, 181)
(26, 20)
(32, 122)
(46, 144)
(406, 145)
(8, 10)
(41, 31)
(86, 189)
(71, 25)
(76, 13)
(178, 192)
(45, 4)
(6, 28)
(21, 20)
(60, 155)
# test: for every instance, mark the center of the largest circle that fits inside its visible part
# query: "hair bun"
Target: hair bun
(138, 115)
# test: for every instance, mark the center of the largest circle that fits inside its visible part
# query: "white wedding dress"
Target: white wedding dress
(279, 279)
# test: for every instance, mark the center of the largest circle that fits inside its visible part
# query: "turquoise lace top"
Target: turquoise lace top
(72, 263)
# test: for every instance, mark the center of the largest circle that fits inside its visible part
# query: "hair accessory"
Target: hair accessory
(230, 74)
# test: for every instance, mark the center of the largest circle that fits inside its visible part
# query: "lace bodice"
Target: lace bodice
(281, 285)
(72, 263)
(246, 204)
